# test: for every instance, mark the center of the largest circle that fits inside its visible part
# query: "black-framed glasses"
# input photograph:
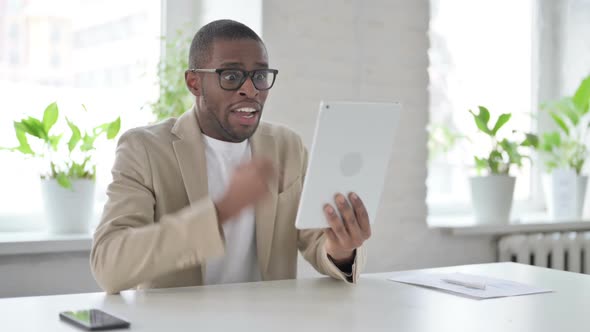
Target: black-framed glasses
(232, 79)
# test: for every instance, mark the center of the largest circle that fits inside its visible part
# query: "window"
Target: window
(481, 54)
(104, 56)
(55, 60)
(13, 34)
(14, 58)
(112, 75)
(55, 32)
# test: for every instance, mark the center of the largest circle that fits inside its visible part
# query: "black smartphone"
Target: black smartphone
(93, 320)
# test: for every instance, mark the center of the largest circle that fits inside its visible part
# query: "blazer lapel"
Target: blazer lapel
(190, 153)
(263, 146)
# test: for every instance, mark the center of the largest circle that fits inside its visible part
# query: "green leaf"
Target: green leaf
(76, 170)
(494, 161)
(577, 165)
(572, 116)
(560, 122)
(566, 106)
(113, 128)
(511, 149)
(481, 120)
(76, 135)
(86, 160)
(508, 146)
(480, 164)
(87, 143)
(34, 127)
(80, 170)
(54, 141)
(551, 165)
(484, 114)
(24, 146)
(53, 171)
(63, 180)
(531, 140)
(50, 116)
(502, 119)
(582, 96)
(550, 141)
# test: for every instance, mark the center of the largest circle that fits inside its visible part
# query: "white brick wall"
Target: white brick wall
(367, 50)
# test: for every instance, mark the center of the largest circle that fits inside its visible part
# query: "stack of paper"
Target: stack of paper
(470, 285)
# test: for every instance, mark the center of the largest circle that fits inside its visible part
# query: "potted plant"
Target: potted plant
(564, 152)
(68, 181)
(492, 190)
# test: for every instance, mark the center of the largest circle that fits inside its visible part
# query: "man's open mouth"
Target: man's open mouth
(246, 112)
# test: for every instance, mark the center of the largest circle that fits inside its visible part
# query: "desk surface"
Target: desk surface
(374, 304)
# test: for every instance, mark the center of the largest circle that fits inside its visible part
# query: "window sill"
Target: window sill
(465, 225)
(20, 243)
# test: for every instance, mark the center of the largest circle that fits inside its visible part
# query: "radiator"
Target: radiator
(568, 251)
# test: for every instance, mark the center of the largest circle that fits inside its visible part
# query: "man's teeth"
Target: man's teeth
(246, 110)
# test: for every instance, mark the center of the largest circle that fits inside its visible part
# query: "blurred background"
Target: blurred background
(438, 58)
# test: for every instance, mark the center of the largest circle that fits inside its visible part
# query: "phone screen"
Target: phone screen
(93, 319)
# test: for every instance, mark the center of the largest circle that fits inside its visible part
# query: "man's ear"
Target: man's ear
(193, 82)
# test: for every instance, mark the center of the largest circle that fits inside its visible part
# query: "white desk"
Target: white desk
(375, 304)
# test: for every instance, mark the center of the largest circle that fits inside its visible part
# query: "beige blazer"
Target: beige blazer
(159, 225)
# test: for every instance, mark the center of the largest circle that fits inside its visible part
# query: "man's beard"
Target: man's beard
(225, 131)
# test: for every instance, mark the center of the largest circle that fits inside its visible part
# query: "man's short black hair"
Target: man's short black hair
(200, 50)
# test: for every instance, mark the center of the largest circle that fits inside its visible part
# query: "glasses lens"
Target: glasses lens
(231, 79)
(263, 79)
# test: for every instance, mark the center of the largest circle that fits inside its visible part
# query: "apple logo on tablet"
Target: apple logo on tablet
(351, 164)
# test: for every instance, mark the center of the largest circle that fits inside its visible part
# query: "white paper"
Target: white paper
(494, 287)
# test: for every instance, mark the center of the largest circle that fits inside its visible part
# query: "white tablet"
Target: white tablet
(350, 152)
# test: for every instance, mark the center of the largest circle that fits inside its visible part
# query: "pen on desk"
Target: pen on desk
(468, 284)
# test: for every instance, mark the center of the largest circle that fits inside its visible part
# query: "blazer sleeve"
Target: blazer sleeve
(311, 245)
(129, 246)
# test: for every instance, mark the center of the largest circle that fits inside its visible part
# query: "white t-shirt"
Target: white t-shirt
(240, 263)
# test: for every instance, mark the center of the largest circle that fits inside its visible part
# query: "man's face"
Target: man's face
(227, 115)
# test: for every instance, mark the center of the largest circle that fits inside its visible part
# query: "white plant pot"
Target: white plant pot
(68, 210)
(491, 197)
(565, 192)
